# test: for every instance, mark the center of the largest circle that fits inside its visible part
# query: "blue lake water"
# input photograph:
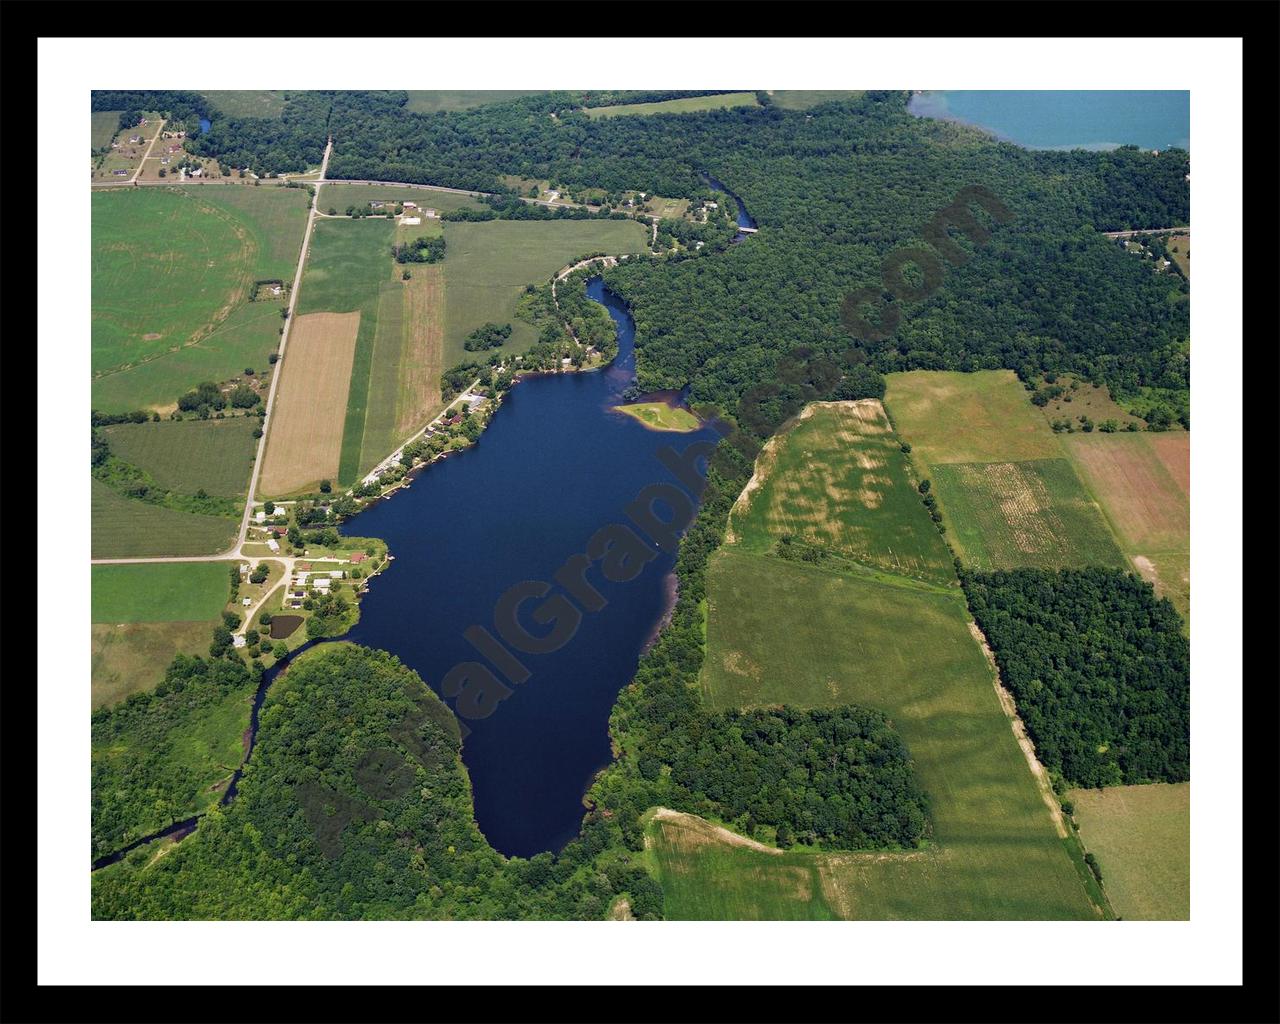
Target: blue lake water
(1069, 119)
(555, 464)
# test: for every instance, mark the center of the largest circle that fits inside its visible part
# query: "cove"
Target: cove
(1097, 119)
(554, 465)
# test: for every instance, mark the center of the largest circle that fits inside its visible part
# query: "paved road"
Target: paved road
(1147, 231)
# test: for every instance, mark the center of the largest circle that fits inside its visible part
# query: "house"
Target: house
(119, 173)
(376, 204)
(357, 557)
(337, 574)
(246, 601)
(712, 206)
(279, 531)
(552, 194)
(431, 213)
(321, 582)
(238, 640)
(410, 206)
(273, 545)
(260, 516)
(197, 172)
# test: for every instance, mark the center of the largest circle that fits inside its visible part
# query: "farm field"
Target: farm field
(784, 632)
(422, 353)
(172, 275)
(130, 657)
(339, 196)
(1141, 836)
(1008, 495)
(488, 263)
(837, 479)
(430, 101)
(803, 99)
(103, 125)
(685, 105)
(661, 416)
(127, 528)
(1003, 515)
(163, 592)
(305, 439)
(247, 102)
(1142, 483)
(187, 455)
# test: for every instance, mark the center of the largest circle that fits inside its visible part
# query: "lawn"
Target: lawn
(127, 528)
(247, 102)
(130, 657)
(1180, 252)
(784, 632)
(103, 125)
(187, 455)
(487, 264)
(685, 105)
(172, 274)
(430, 101)
(1141, 836)
(339, 196)
(1142, 483)
(163, 592)
(661, 416)
(838, 480)
(1005, 515)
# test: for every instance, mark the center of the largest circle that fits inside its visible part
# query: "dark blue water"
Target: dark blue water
(1069, 119)
(555, 464)
(204, 125)
(745, 220)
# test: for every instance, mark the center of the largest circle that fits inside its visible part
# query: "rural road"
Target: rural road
(145, 156)
(1148, 231)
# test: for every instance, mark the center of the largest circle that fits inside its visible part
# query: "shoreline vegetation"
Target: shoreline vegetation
(661, 416)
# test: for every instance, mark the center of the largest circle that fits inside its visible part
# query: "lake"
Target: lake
(1068, 119)
(554, 465)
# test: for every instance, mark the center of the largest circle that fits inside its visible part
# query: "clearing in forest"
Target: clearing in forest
(305, 439)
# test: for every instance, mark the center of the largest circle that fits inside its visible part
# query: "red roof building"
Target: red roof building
(358, 556)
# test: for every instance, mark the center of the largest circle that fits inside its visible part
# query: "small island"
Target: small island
(661, 416)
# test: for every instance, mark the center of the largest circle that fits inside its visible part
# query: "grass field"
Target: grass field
(339, 197)
(835, 633)
(126, 528)
(422, 352)
(430, 101)
(1141, 836)
(488, 263)
(305, 438)
(187, 455)
(163, 592)
(838, 480)
(661, 416)
(1086, 400)
(784, 632)
(1008, 495)
(803, 99)
(103, 125)
(1142, 482)
(1002, 515)
(172, 272)
(133, 656)
(686, 105)
(247, 102)
(1180, 252)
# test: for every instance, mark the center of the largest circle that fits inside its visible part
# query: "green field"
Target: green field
(130, 657)
(686, 105)
(1141, 836)
(163, 592)
(837, 480)
(247, 102)
(1004, 515)
(488, 263)
(127, 528)
(339, 197)
(172, 273)
(350, 268)
(103, 125)
(1008, 494)
(803, 99)
(187, 455)
(430, 101)
(834, 633)
(661, 416)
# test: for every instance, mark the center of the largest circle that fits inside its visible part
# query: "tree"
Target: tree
(326, 486)
(280, 650)
(269, 507)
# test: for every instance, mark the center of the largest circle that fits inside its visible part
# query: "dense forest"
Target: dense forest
(1100, 669)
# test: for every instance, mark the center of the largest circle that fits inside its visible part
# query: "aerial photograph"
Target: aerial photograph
(638, 505)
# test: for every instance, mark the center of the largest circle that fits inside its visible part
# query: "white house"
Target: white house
(271, 543)
(238, 640)
(246, 601)
(410, 206)
(321, 582)
(260, 516)
(336, 574)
